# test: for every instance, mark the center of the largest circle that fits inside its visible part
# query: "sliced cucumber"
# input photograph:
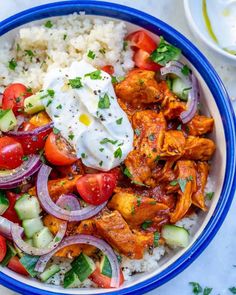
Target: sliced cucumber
(48, 273)
(27, 207)
(42, 238)
(175, 236)
(71, 279)
(32, 226)
(83, 266)
(180, 89)
(4, 202)
(11, 252)
(30, 242)
(34, 104)
(7, 120)
(105, 267)
(29, 263)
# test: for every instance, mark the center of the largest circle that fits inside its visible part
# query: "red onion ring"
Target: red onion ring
(69, 202)
(5, 227)
(51, 208)
(89, 240)
(12, 178)
(34, 132)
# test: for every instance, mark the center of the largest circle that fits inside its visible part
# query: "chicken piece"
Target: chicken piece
(40, 119)
(114, 229)
(187, 186)
(200, 125)
(136, 209)
(172, 107)
(163, 174)
(57, 187)
(140, 87)
(198, 197)
(173, 145)
(197, 148)
(144, 240)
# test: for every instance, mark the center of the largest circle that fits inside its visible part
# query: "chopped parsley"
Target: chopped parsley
(118, 153)
(101, 150)
(25, 158)
(48, 24)
(137, 132)
(83, 155)
(207, 291)
(18, 47)
(114, 80)
(157, 159)
(91, 54)
(55, 130)
(209, 195)
(197, 289)
(165, 52)
(139, 183)
(146, 224)
(125, 45)
(59, 107)
(12, 64)
(156, 239)
(127, 173)
(182, 182)
(96, 75)
(139, 201)
(185, 70)
(119, 121)
(232, 290)
(71, 136)
(104, 102)
(169, 83)
(30, 54)
(64, 37)
(151, 137)
(75, 83)
(48, 103)
(132, 210)
(29, 90)
(179, 127)
(29, 105)
(107, 140)
(51, 93)
(100, 163)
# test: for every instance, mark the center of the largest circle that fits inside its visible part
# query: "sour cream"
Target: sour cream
(89, 116)
(220, 18)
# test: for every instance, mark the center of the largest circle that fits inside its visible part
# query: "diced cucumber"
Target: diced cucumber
(180, 89)
(34, 104)
(42, 238)
(11, 252)
(30, 242)
(71, 279)
(83, 266)
(29, 263)
(48, 273)
(18, 251)
(27, 207)
(32, 226)
(7, 120)
(105, 267)
(4, 202)
(175, 236)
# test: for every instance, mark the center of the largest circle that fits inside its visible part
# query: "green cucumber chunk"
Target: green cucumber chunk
(27, 207)
(175, 236)
(4, 202)
(30, 242)
(105, 267)
(83, 266)
(42, 238)
(180, 89)
(7, 120)
(32, 226)
(29, 263)
(49, 272)
(71, 279)
(34, 104)
(11, 252)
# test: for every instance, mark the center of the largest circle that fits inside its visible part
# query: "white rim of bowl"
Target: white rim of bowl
(192, 23)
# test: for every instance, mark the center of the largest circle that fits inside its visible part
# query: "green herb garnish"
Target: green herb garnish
(137, 132)
(104, 102)
(232, 290)
(151, 137)
(48, 24)
(107, 140)
(25, 158)
(146, 224)
(125, 45)
(75, 83)
(100, 163)
(71, 136)
(96, 75)
(119, 121)
(64, 37)
(127, 173)
(12, 64)
(91, 54)
(30, 54)
(55, 130)
(207, 291)
(197, 289)
(182, 182)
(185, 70)
(210, 195)
(118, 153)
(156, 239)
(59, 107)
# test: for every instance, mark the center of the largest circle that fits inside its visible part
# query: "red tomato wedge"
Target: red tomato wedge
(10, 213)
(103, 281)
(11, 153)
(58, 151)
(3, 248)
(15, 265)
(142, 40)
(14, 96)
(108, 69)
(142, 61)
(97, 188)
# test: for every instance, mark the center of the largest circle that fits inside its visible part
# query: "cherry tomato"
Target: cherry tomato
(13, 97)
(3, 248)
(142, 61)
(97, 188)
(141, 40)
(11, 153)
(15, 265)
(108, 69)
(58, 151)
(103, 281)
(10, 213)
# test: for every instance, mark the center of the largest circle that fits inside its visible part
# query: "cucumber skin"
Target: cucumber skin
(178, 89)
(105, 267)
(29, 262)
(8, 121)
(11, 252)
(24, 211)
(71, 279)
(83, 266)
(32, 226)
(175, 236)
(4, 202)
(48, 273)
(33, 104)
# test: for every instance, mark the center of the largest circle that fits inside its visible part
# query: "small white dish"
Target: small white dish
(196, 21)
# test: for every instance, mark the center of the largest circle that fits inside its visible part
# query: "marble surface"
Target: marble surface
(215, 267)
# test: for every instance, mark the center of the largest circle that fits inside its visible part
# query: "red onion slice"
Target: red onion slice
(69, 202)
(5, 227)
(34, 132)
(12, 178)
(89, 240)
(18, 231)
(51, 208)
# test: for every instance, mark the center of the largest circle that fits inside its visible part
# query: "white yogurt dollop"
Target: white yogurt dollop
(89, 117)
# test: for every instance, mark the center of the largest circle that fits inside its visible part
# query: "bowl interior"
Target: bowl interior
(217, 174)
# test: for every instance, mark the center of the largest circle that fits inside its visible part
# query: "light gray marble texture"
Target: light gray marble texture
(214, 268)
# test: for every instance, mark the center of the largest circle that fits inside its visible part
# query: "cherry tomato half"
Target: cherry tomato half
(11, 153)
(141, 40)
(13, 97)
(15, 265)
(10, 213)
(58, 151)
(103, 281)
(142, 61)
(3, 248)
(108, 69)
(97, 188)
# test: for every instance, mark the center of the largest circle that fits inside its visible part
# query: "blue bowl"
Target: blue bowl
(214, 84)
